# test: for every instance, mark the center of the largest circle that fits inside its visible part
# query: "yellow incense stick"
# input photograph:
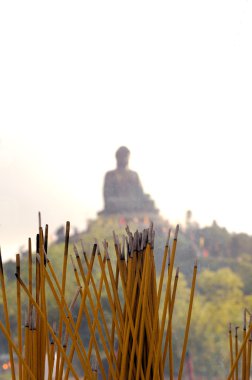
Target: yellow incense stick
(130, 283)
(231, 346)
(169, 332)
(6, 316)
(188, 323)
(12, 344)
(165, 308)
(244, 358)
(19, 323)
(63, 289)
(41, 314)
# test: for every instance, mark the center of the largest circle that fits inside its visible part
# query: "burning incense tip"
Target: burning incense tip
(176, 232)
(168, 237)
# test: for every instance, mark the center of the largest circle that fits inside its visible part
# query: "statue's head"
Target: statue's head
(122, 157)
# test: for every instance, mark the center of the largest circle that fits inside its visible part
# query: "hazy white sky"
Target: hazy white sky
(171, 80)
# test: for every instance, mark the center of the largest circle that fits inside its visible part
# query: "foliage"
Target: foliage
(219, 300)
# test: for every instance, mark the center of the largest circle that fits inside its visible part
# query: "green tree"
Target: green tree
(219, 300)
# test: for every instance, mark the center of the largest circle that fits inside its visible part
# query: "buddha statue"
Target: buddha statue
(123, 192)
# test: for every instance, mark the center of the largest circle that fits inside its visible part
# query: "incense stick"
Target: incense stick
(139, 322)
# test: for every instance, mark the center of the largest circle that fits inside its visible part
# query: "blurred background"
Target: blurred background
(170, 80)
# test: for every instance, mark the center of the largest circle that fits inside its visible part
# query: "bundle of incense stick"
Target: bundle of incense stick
(240, 355)
(135, 342)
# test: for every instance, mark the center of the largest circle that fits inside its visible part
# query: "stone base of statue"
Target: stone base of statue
(126, 206)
